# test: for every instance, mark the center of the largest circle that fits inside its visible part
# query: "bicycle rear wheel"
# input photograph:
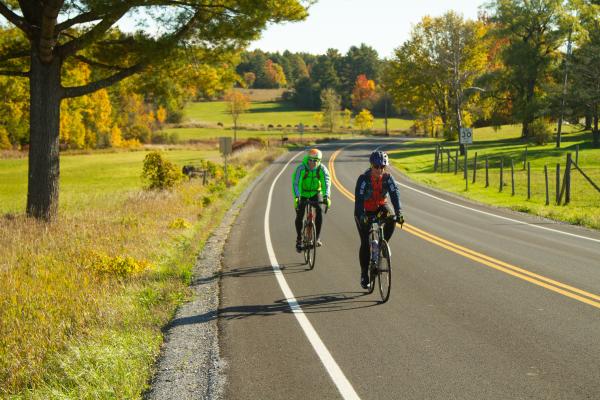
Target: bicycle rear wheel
(384, 271)
(312, 247)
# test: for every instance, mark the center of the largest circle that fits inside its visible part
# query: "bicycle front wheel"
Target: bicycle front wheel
(312, 248)
(384, 271)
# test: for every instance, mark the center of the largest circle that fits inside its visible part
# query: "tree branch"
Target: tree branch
(98, 64)
(76, 91)
(73, 46)
(15, 54)
(79, 19)
(24, 74)
(16, 20)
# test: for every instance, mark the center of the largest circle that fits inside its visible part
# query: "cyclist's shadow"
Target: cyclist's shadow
(317, 303)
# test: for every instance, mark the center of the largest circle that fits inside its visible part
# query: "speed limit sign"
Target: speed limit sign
(466, 136)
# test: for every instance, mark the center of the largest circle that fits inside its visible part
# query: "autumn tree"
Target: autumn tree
(331, 105)
(237, 103)
(534, 31)
(274, 74)
(432, 69)
(585, 77)
(54, 31)
(364, 120)
(249, 78)
(363, 94)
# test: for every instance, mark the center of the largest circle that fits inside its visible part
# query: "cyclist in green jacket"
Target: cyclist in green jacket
(310, 181)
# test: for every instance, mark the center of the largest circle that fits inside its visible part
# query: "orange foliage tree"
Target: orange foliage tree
(363, 94)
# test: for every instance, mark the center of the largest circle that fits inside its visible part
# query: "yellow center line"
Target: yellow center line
(540, 280)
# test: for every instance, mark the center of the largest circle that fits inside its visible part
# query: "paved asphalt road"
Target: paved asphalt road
(481, 307)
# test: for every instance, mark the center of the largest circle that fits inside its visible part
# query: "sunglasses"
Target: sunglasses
(379, 166)
(313, 159)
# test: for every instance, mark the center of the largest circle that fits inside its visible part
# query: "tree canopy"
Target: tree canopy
(56, 32)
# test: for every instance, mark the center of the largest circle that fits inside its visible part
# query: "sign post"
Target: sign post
(301, 130)
(225, 147)
(465, 136)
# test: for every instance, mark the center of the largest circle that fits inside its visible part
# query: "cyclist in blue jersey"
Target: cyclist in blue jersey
(370, 199)
(310, 181)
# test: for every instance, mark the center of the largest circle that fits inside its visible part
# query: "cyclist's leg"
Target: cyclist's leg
(364, 251)
(299, 222)
(319, 214)
(390, 225)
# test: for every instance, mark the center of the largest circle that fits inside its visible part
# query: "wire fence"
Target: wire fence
(565, 182)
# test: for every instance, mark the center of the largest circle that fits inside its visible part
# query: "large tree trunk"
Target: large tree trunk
(588, 121)
(45, 91)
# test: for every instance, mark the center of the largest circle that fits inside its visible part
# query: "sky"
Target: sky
(340, 24)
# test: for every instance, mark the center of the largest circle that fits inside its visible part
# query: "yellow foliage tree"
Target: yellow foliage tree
(4, 142)
(364, 120)
(116, 138)
(161, 115)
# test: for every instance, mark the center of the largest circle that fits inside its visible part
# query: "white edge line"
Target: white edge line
(499, 216)
(339, 379)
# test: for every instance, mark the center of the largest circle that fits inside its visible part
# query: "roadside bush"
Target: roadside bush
(161, 137)
(540, 131)
(160, 173)
(175, 116)
(179, 223)
(119, 266)
(139, 132)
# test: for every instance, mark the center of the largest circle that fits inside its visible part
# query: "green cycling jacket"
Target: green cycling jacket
(307, 183)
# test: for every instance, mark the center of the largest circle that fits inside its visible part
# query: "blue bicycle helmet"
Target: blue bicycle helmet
(379, 159)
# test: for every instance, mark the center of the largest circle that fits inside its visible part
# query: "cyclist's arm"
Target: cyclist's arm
(394, 194)
(359, 196)
(297, 180)
(325, 182)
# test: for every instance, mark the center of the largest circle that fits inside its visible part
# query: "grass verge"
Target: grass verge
(83, 299)
(416, 159)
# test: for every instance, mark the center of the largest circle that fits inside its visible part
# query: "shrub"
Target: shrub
(139, 132)
(175, 116)
(179, 223)
(119, 266)
(161, 137)
(159, 172)
(540, 131)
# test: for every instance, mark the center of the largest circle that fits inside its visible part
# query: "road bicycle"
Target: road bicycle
(309, 233)
(380, 264)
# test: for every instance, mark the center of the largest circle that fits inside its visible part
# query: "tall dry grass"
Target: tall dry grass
(82, 300)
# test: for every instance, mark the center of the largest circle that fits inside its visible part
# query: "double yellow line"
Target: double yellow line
(536, 279)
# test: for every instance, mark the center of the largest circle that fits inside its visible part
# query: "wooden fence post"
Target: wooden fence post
(487, 175)
(512, 177)
(435, 163)
(558, 184)
(501, 174)
(546, 179)
(577, 155)
(568, 179)
(448, 160)
(525, 159)
(528, 180)
(475, 167)
(465, 175)
(456, 162)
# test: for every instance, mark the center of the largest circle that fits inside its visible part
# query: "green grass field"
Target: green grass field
(269, 113)
(87, 178)
(416, 160)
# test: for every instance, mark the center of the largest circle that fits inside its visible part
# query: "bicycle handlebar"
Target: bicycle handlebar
(316, 203)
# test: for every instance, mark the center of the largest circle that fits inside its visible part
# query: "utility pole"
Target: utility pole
(564, 93)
